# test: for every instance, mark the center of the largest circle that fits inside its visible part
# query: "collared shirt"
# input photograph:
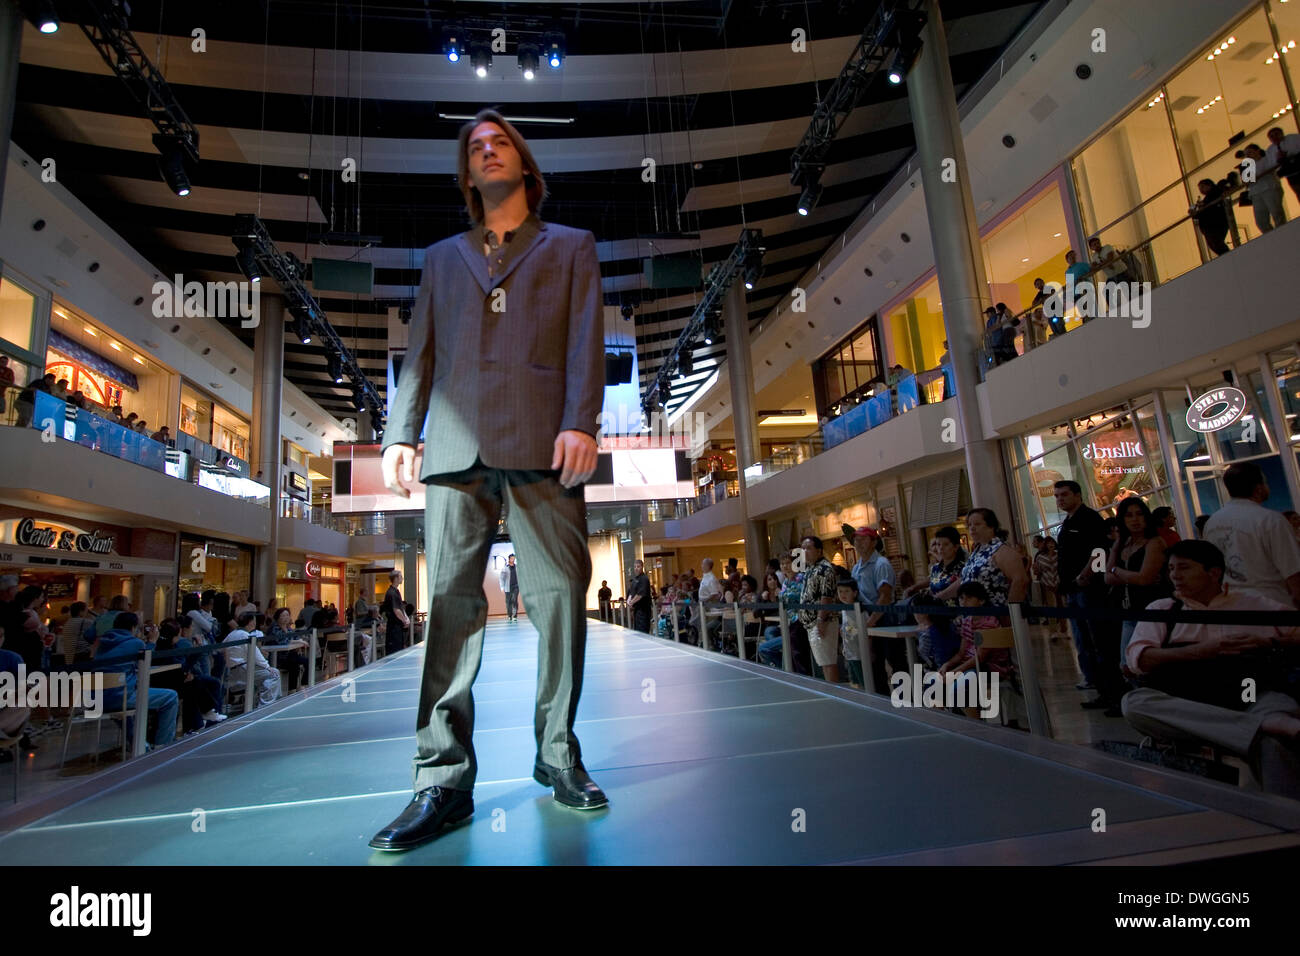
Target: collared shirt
(819, 581)
(710, 587)
(1149, 634)
(500, 251)
(871, 573)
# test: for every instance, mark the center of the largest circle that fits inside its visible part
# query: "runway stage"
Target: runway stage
(714, 767)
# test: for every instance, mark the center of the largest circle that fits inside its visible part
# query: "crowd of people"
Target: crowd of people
(25, 403)
(108, 635)
(1175, 682)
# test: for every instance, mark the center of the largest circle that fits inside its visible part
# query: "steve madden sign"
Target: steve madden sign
(1216, 409)
(28, 534)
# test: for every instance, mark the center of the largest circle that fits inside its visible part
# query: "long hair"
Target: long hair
(534, 183)
(1121, 512)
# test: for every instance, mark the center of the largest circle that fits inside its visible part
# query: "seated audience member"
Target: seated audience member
(200, 695)
(974, 594)
(116, 651)
(13, 720)
(266, 679)
(1193, 674)
(281, 634)
(938, 640)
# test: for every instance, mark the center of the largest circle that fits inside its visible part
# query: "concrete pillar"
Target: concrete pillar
(268, 384)
(740, 370)
(954, 233)
(83, 587)
(11, 37)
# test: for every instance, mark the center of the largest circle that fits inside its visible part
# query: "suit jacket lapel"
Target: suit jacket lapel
(475, 259)
(538, 238)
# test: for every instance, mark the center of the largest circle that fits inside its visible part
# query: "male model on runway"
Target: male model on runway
(506, 355)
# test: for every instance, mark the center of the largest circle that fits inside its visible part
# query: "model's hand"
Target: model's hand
(398, 465)
(575, 457)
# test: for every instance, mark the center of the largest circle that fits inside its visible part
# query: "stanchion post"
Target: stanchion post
(352, 643)
(141, 704)
(250, 675)
(740, 630)
(374, 641)
(311, 661)
(864, 649)
(677, 624)
(1038, 722)
(787, 659)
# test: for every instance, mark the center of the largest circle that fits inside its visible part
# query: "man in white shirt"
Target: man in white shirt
(1107, 259)
(266, 678)
(711, 593)
(1284, 153)
(1258, 545)
(240, 604)
(1266, 733)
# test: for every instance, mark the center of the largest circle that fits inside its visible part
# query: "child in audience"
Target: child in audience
(938, 640)
(974, 594)
(846, 590)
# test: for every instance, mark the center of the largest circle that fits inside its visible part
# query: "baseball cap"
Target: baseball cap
(868, 532)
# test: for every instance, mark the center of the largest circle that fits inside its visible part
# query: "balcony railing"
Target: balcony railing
(369, 523)
(27, 407)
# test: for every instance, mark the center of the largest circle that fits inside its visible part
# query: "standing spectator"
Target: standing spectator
(1108, 261)
(198, 608)
(308, 611)
(1180, 663)
(510, 588)
(27, 636)
(107, 619)
(949, 557)
(77, 634)
(1294, 519)
(222, 615)
(1136, 564)
(1211, 215)
(240, 604)
(639, 600)
(1000, 569)
(1083, 545)
(1201, 522)
(822, 628)
(1259, 546)
(1284, 152)
(6, 373)
(604, 597)
(1165, 523)
(874, 575)
(1047, 569)
(711, 594)
(1076, 272)
(846, 592)
(396, 618)
(1265, 191)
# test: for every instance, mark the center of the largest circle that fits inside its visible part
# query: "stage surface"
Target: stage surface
(706, 760)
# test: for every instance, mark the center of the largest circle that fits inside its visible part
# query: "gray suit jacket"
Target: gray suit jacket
(502, 364)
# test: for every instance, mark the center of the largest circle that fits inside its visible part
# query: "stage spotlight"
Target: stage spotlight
(301, 328)
(246, 259)
(753, 272)
(626, 311)
(480, 58)
(528, 60)
(897, 67)
(171, 163)
(554, 43)
(809, 197)
(47, 20)
(335, 369)
(686, 363)
(452, 45)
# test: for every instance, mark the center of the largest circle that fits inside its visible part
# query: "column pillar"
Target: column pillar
(740, 371)
(11, 37)
(268, 385)
(83, 587)
(954, 232)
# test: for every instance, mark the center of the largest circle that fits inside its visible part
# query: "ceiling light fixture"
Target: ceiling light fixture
(480, 57)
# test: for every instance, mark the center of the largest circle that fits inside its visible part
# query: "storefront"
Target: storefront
(1246, 412)
(212, 564)
(75, 560)
(320, 579)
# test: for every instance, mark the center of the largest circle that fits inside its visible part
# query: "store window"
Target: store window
(215, 565)
(849, 368)
(916, 329)
(19, 314)
(1113, 454)
(196, 414)
(1030, 244)
(230, 432)
(1137, 180)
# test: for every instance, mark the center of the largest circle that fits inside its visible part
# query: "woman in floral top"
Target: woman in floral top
(994, 565)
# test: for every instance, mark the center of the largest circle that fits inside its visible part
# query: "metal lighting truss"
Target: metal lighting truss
(288, 272)
(748, 249)
(107, 29)
(893, 25)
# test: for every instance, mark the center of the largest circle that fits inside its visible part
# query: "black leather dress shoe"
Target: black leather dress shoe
(573, 787)
(428, 813)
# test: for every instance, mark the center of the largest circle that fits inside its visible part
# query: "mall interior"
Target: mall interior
(797, 254)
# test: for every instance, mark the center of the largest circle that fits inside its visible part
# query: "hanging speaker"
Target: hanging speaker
(624, 368)
(611, 368)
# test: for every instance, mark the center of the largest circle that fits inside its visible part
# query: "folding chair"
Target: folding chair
(995, 639)
(112, 679)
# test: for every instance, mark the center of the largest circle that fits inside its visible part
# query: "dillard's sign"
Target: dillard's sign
(29, 535)
(1124, 449)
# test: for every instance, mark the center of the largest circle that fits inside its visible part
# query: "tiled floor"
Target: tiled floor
(723, 762)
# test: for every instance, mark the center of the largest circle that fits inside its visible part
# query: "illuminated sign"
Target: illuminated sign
(313, 569)
(59, 537)
(298, 481)
(1216, 409)
(1122, 449)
